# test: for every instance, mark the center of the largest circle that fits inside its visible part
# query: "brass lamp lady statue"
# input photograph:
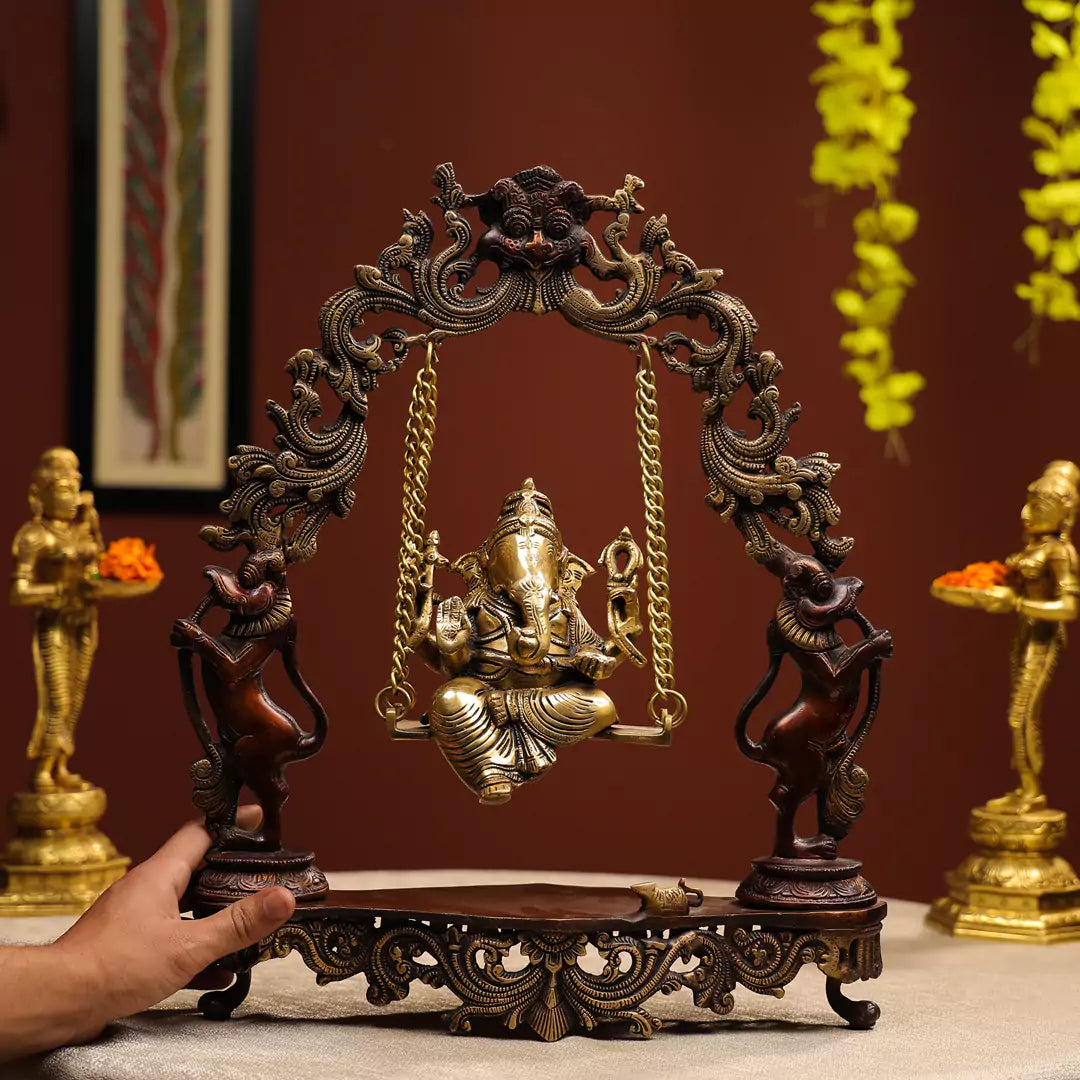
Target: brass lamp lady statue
(1046, 589)
(58, 861)
(1015, 888)
(56, 556)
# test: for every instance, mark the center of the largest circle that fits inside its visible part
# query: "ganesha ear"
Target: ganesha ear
(575, 570)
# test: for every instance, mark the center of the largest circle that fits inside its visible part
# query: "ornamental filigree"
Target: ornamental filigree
(536, 231)
(554, 994)
(519, 665)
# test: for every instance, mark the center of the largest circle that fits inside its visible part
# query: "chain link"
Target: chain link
(396, 698)
(666, 705)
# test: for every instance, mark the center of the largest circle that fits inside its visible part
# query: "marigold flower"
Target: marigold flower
(130, 559)
(976, 575)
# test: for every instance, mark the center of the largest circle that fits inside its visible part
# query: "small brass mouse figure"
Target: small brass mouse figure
(674, 900)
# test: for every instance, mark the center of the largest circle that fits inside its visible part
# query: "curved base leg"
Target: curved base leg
(861, 1015)
(219, 1004)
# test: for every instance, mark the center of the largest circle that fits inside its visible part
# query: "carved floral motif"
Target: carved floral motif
(553, 994)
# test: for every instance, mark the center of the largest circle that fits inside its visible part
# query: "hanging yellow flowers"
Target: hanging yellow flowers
(866, 118)
(1054, 235)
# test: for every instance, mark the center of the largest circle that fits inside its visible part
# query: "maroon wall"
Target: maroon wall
(710, 104)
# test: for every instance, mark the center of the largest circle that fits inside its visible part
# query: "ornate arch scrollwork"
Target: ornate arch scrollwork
(536, 232)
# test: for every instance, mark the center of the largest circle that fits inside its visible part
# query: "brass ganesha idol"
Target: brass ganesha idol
(522, 659)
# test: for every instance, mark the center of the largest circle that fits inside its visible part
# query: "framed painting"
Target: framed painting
(161, 305)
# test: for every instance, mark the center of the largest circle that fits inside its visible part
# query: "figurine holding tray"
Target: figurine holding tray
(59, 861)
(1015, 888)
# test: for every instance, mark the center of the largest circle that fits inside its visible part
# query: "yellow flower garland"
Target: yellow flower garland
(866, 118)
(1054, 235)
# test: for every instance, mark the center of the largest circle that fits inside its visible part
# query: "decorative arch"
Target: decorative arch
(536, 232)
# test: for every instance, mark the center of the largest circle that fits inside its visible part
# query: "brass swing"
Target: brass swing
(417, 601)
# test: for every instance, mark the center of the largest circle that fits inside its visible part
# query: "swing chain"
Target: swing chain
(396, 699)
(667, 707)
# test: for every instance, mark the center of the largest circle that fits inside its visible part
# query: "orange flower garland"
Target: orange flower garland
(976, 575)
(130, 559)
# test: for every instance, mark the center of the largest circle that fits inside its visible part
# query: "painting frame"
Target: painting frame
(158, 490)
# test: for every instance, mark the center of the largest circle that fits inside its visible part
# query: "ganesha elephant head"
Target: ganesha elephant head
(256, 597)
(525, 573)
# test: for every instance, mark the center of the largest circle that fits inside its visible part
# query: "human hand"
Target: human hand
(127, 952)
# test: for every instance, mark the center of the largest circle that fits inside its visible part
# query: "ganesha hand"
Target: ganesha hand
(594, 664)
(452, 627)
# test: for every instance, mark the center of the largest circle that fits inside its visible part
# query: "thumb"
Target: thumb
(241, 924)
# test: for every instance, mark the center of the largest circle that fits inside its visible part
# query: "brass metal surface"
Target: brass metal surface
(527, 978)
(522, 660)
(674, 900)
(58, 861)
(1014, 888)
(521, 671)
(418, 558)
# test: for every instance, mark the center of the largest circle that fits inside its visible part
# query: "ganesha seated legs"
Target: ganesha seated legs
(498, 739)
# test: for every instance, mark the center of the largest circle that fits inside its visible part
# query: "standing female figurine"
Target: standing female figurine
(1044, 581)
(56, 558)
(58, 861)
(1015, 887)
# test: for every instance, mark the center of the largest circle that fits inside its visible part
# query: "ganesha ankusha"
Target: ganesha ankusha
(524, 675)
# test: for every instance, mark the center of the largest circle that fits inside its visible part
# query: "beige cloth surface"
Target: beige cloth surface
(957, 1009)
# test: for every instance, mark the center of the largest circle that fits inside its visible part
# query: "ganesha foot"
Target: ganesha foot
(496, 792)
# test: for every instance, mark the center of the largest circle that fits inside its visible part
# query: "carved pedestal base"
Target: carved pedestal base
(1014, 888)
(806, 883)
(232, 875)
(505, 961)
(58, 862)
